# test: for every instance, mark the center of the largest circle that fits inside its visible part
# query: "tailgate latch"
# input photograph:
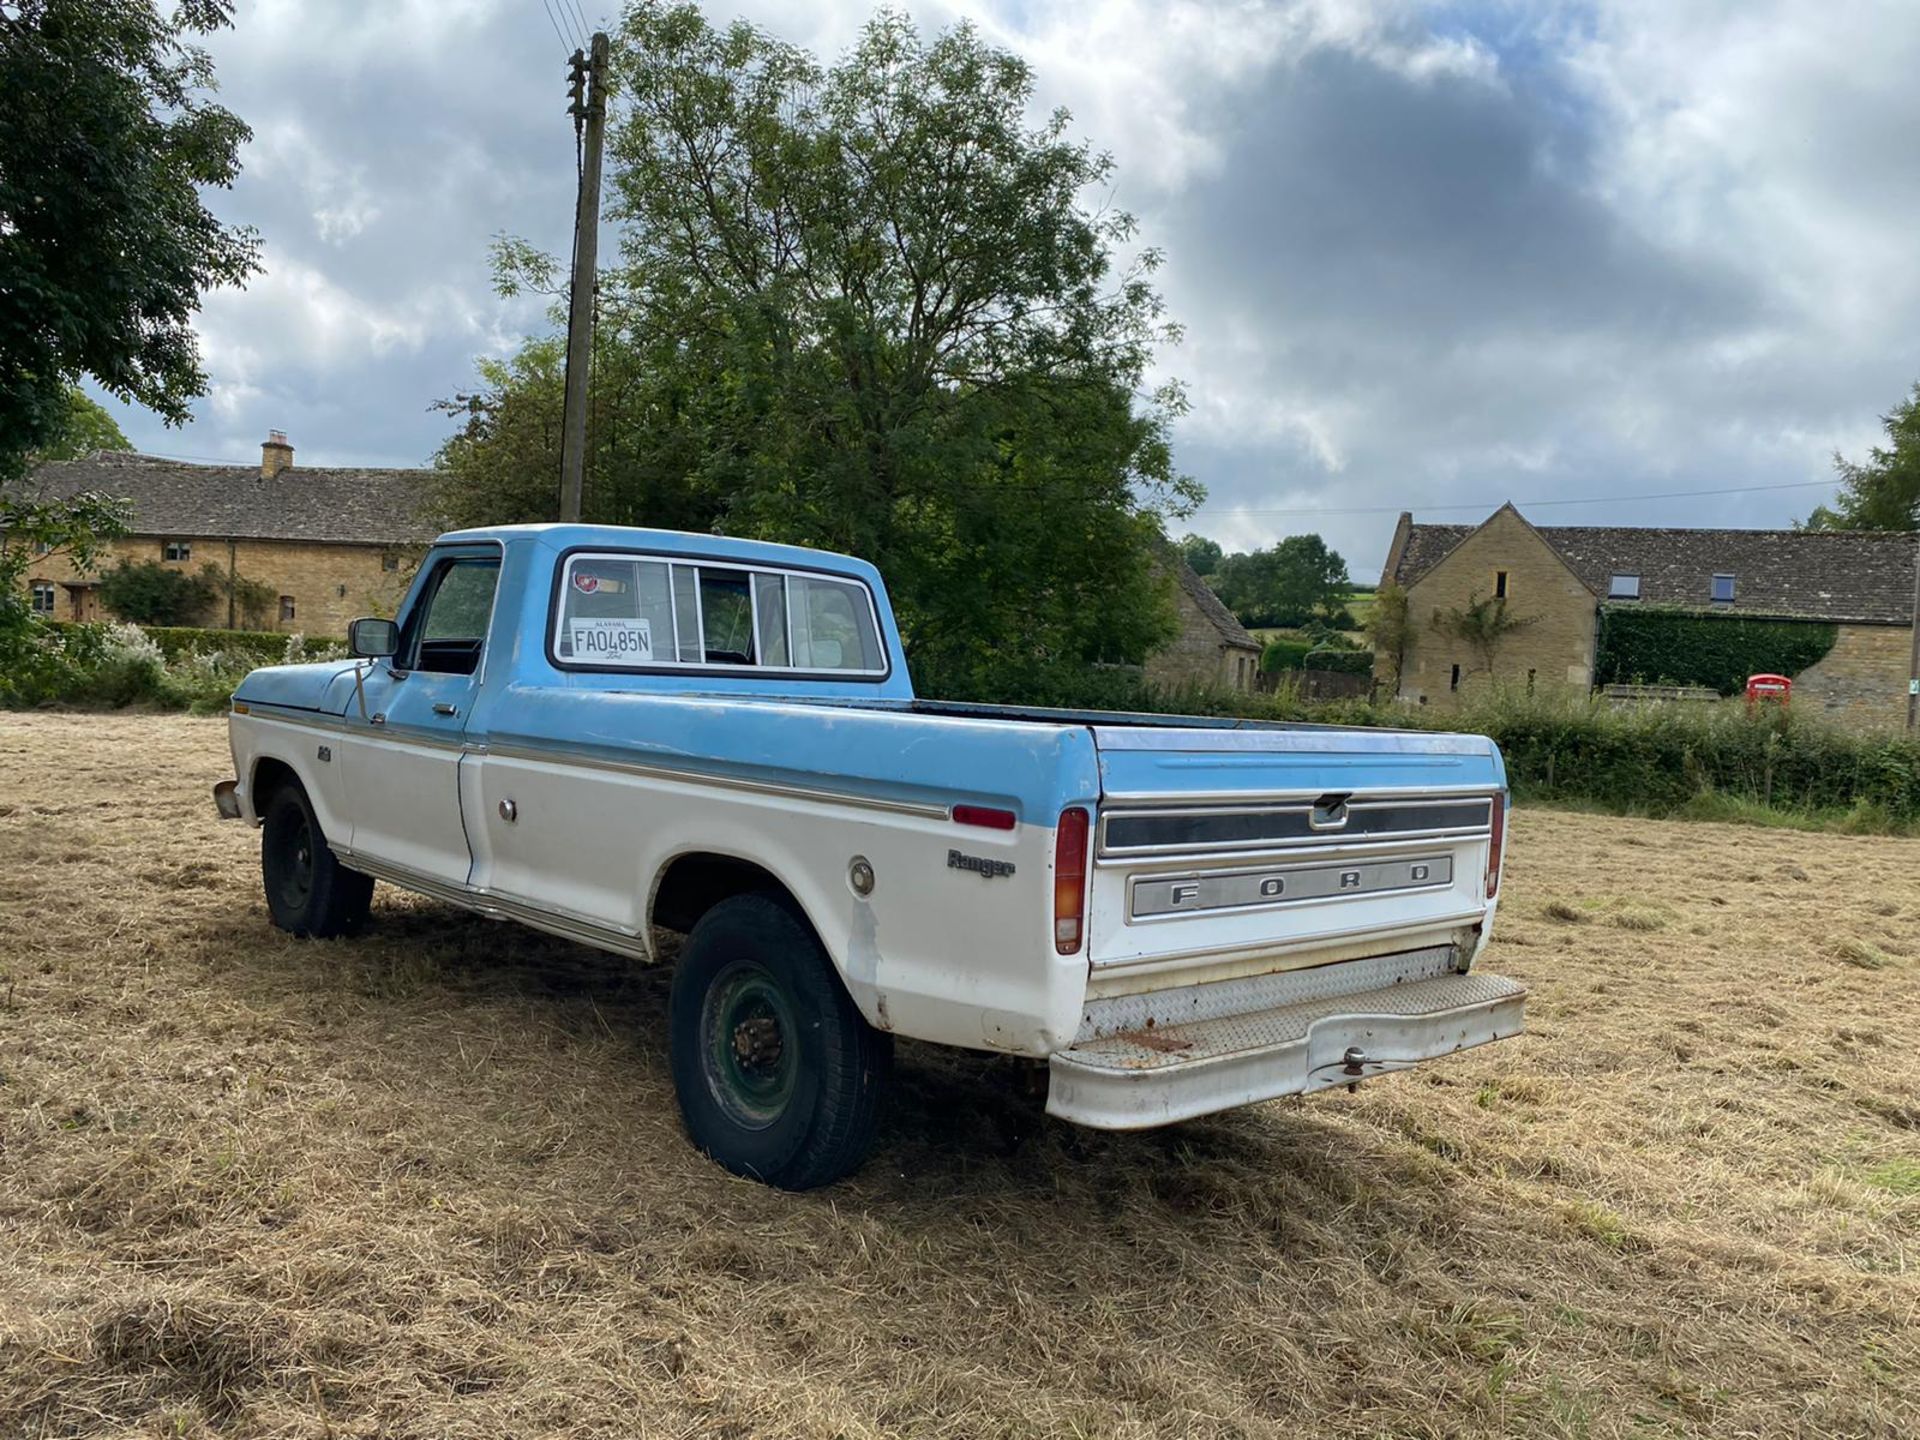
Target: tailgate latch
(1329, 813)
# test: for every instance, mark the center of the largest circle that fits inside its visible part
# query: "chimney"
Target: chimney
(275, 454)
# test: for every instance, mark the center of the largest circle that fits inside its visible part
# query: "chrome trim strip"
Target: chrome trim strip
(1180, 959)
(1330, 847)
(502, 907)
(1159, 799)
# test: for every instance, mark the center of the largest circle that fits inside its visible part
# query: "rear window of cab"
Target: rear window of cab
(640, 612)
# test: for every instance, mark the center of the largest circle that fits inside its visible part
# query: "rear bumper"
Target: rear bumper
(1158, 1075)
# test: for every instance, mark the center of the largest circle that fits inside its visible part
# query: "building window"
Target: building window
(43, 547)
(43, 593)
(286, 608)
(1723, 589)
(1624, 587)
(1499, 584)
(389, 562)
(1454, 683)
(179, 550)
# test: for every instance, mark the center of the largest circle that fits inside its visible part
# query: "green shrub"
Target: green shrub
(1285, 655)
(119, 664)
(1340, 661)
(1683, 647)
(149, 593)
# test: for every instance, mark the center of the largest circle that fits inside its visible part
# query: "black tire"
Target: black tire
(309, 892)
(779, 1076)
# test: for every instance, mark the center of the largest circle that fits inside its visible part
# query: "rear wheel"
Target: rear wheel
(779, 1076)
(309, 892)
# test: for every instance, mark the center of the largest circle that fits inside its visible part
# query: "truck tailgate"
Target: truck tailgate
(1245, 851)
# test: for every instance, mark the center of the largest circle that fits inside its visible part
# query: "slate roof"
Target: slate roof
(1221, 618)
(324, 503)
(1862, 576)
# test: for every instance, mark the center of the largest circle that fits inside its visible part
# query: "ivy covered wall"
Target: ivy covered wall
(1684, 647)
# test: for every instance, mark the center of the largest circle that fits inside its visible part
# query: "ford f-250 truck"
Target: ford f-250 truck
(601, 731)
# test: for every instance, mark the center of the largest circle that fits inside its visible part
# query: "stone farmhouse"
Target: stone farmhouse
(328, 544)
(1561, 579)
(1212, 647)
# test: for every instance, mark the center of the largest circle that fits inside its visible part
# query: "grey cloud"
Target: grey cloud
(1643, 247)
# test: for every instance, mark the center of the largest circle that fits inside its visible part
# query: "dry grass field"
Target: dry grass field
(431, 1183)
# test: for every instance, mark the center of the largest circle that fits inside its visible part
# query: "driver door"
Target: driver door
(404, 752)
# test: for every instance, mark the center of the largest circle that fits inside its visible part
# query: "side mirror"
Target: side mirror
(371, 639)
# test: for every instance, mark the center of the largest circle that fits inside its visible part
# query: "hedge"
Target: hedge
(1685, 647)
(264, 647)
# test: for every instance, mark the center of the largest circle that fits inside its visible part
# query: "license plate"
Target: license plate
(1158, 895)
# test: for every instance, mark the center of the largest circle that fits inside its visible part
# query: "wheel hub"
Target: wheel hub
(756, 1042)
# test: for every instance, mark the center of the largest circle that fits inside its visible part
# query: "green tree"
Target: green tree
(1883, 493)
(1483, 624)
(106, 138)
(1388, 630)
(1296, 582)
(1202, 555)
(862, 306)
(84, 428)
(150, 593)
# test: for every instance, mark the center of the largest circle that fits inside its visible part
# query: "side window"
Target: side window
(448, 629)
(832, 626)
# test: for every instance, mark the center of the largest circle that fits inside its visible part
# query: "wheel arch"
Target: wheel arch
(691, 882)
(269, 775)
(270, 771)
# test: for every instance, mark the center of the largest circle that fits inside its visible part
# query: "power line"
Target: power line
(1526, 504)
(565, 43)
(581, 17)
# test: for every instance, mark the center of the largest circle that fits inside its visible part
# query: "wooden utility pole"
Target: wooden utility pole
(1913, 659)
(588, 84)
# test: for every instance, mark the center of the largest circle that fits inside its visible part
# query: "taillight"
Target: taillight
(1496, 844)
(985, 816)
(1070, 881)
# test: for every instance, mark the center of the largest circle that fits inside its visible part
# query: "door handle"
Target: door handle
(440, 707)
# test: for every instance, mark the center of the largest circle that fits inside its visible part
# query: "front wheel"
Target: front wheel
(309, 892)
(778, 1075)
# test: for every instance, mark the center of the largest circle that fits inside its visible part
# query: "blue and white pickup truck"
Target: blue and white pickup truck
(607, 732)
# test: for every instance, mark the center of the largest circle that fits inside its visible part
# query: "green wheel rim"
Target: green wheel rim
(751, 1045)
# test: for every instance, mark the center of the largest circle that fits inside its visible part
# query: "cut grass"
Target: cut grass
(431, 1182)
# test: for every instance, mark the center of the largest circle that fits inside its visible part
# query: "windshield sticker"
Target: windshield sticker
(612, 642)
(586, 584)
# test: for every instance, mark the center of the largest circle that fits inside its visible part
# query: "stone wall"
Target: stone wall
(1197, 655)
(1862, 681)
(328, 585)
(1554, 650)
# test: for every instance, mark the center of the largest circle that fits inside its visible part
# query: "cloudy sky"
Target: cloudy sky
(1428, 255)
